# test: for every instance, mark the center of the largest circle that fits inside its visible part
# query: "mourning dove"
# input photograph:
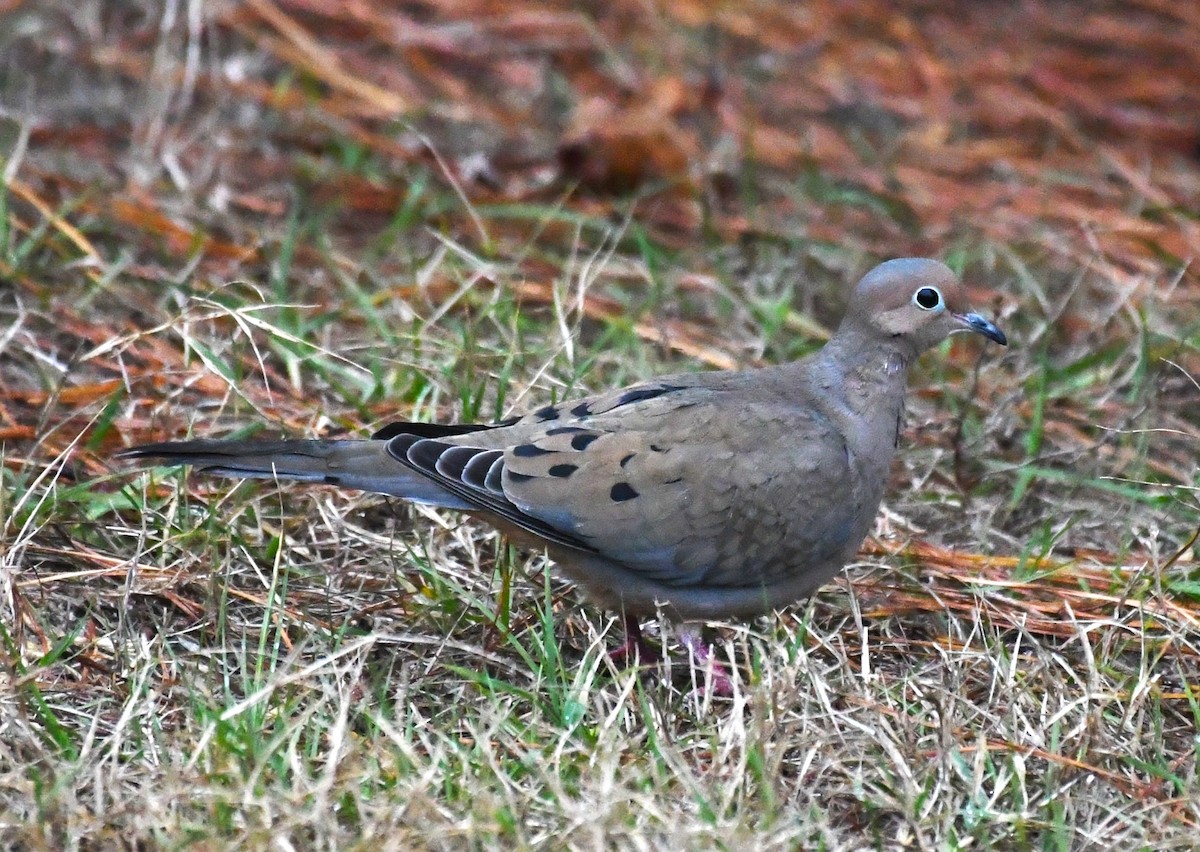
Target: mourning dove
(704, 495)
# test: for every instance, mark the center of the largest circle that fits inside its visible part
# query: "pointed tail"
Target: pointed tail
(364, 465)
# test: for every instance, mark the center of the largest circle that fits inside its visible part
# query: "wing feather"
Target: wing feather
(688, 499)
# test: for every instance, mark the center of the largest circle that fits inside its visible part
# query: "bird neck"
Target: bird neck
(861, 380)
(862, 356)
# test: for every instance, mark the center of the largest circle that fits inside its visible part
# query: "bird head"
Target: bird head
(918, 301)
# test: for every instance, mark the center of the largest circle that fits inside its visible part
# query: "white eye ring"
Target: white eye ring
(928, 298)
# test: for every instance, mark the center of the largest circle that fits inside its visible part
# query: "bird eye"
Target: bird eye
(927, 298)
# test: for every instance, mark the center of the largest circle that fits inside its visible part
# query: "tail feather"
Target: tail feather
(364, 465)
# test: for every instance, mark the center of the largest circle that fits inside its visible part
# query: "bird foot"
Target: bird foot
(715, 678)
(634, 649)
(713, 675)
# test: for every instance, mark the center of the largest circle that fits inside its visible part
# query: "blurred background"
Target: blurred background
(300, 217)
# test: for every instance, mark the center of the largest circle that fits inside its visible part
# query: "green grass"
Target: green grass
(332, 669)
(191, 662)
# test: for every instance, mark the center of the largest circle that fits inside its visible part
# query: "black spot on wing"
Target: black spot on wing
(529, 451)
(566, 430)
(582, 442)
(562, 471)
(627, 459)
(641, 394)
(544, 414)
(458, 465)
(621, 492)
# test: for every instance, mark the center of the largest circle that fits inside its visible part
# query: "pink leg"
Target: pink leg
(634, 649)
(702, 658)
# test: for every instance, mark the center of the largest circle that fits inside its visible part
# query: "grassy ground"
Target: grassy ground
(253, 218)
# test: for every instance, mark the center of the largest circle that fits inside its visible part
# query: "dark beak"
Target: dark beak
(983, 326)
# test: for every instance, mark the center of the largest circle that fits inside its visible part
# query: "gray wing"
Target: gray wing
(683, 483)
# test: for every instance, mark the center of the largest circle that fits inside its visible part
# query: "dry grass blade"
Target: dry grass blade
(311, 218)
